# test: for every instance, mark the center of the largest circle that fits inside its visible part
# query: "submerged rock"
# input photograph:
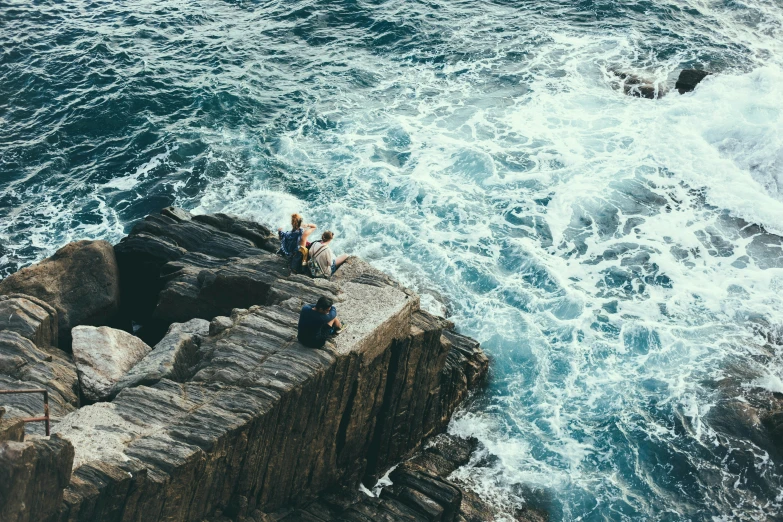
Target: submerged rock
(637, 86)
(103, 355)
(689, 79)
(80, 281)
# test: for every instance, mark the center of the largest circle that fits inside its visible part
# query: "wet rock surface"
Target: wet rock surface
(689, 79)
(80, 281)
(228, 413)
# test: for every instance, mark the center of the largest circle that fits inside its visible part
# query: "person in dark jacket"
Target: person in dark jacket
(318, 322)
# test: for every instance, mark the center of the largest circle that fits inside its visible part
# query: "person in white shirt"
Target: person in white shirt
(321, 253)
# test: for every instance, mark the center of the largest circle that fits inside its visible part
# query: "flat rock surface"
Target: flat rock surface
(103, 355)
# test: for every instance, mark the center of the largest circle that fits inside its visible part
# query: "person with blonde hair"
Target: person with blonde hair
(293, 243)
(322, 255)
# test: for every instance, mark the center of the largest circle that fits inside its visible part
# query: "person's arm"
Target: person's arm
(305, 234)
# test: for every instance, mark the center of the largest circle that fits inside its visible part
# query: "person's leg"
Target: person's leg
(335, 323)
(340, 260)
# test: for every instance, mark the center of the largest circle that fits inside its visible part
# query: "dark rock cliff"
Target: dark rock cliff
(243, 417)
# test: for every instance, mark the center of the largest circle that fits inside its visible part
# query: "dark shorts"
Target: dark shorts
(320, 339)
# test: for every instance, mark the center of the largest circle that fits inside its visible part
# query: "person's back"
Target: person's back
(292, 244)
(317, 322)
(321, 253)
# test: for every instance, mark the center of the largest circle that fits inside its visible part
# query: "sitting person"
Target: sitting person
(292, 244)
(317, 322)
(321, 253)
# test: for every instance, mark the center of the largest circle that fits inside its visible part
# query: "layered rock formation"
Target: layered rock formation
(229, 413)
(28, 359)
(80, 281)
(418, 490)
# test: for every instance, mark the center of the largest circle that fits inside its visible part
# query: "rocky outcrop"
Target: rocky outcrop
(418, 490)
(636, 86)
(689, 79)
(174, 357)
(103, 355)
(23, 365)
(32, 477)
(80, 281)
(237, 415)
(160, 239)
(29, 317)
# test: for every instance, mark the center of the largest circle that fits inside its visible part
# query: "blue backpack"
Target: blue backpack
(289, 242)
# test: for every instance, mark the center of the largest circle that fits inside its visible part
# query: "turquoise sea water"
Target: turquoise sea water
(601, 247)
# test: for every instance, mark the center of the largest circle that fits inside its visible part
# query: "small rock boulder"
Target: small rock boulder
(29, 317)
(80, 281)
(172, 358)
(12, 429)
(688, 80)
(103, 356)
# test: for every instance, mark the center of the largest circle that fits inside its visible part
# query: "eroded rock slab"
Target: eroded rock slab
(103, 355)
(420, 491)
(242, 417)
(264, 421)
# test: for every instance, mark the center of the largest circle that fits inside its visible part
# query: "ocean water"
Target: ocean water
(617, 257)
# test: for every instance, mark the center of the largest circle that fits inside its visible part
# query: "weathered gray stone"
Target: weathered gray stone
(420, 492)
(263, 419)
(103, 355)
(80, 281)
(12, 429)
(29, 317)
(172, 358)
(204, 287)
(32, 477)
(23, 365)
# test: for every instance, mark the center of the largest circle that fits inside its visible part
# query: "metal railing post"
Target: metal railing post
(45, 417)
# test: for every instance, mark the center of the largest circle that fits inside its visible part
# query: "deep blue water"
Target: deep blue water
(596, 244)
